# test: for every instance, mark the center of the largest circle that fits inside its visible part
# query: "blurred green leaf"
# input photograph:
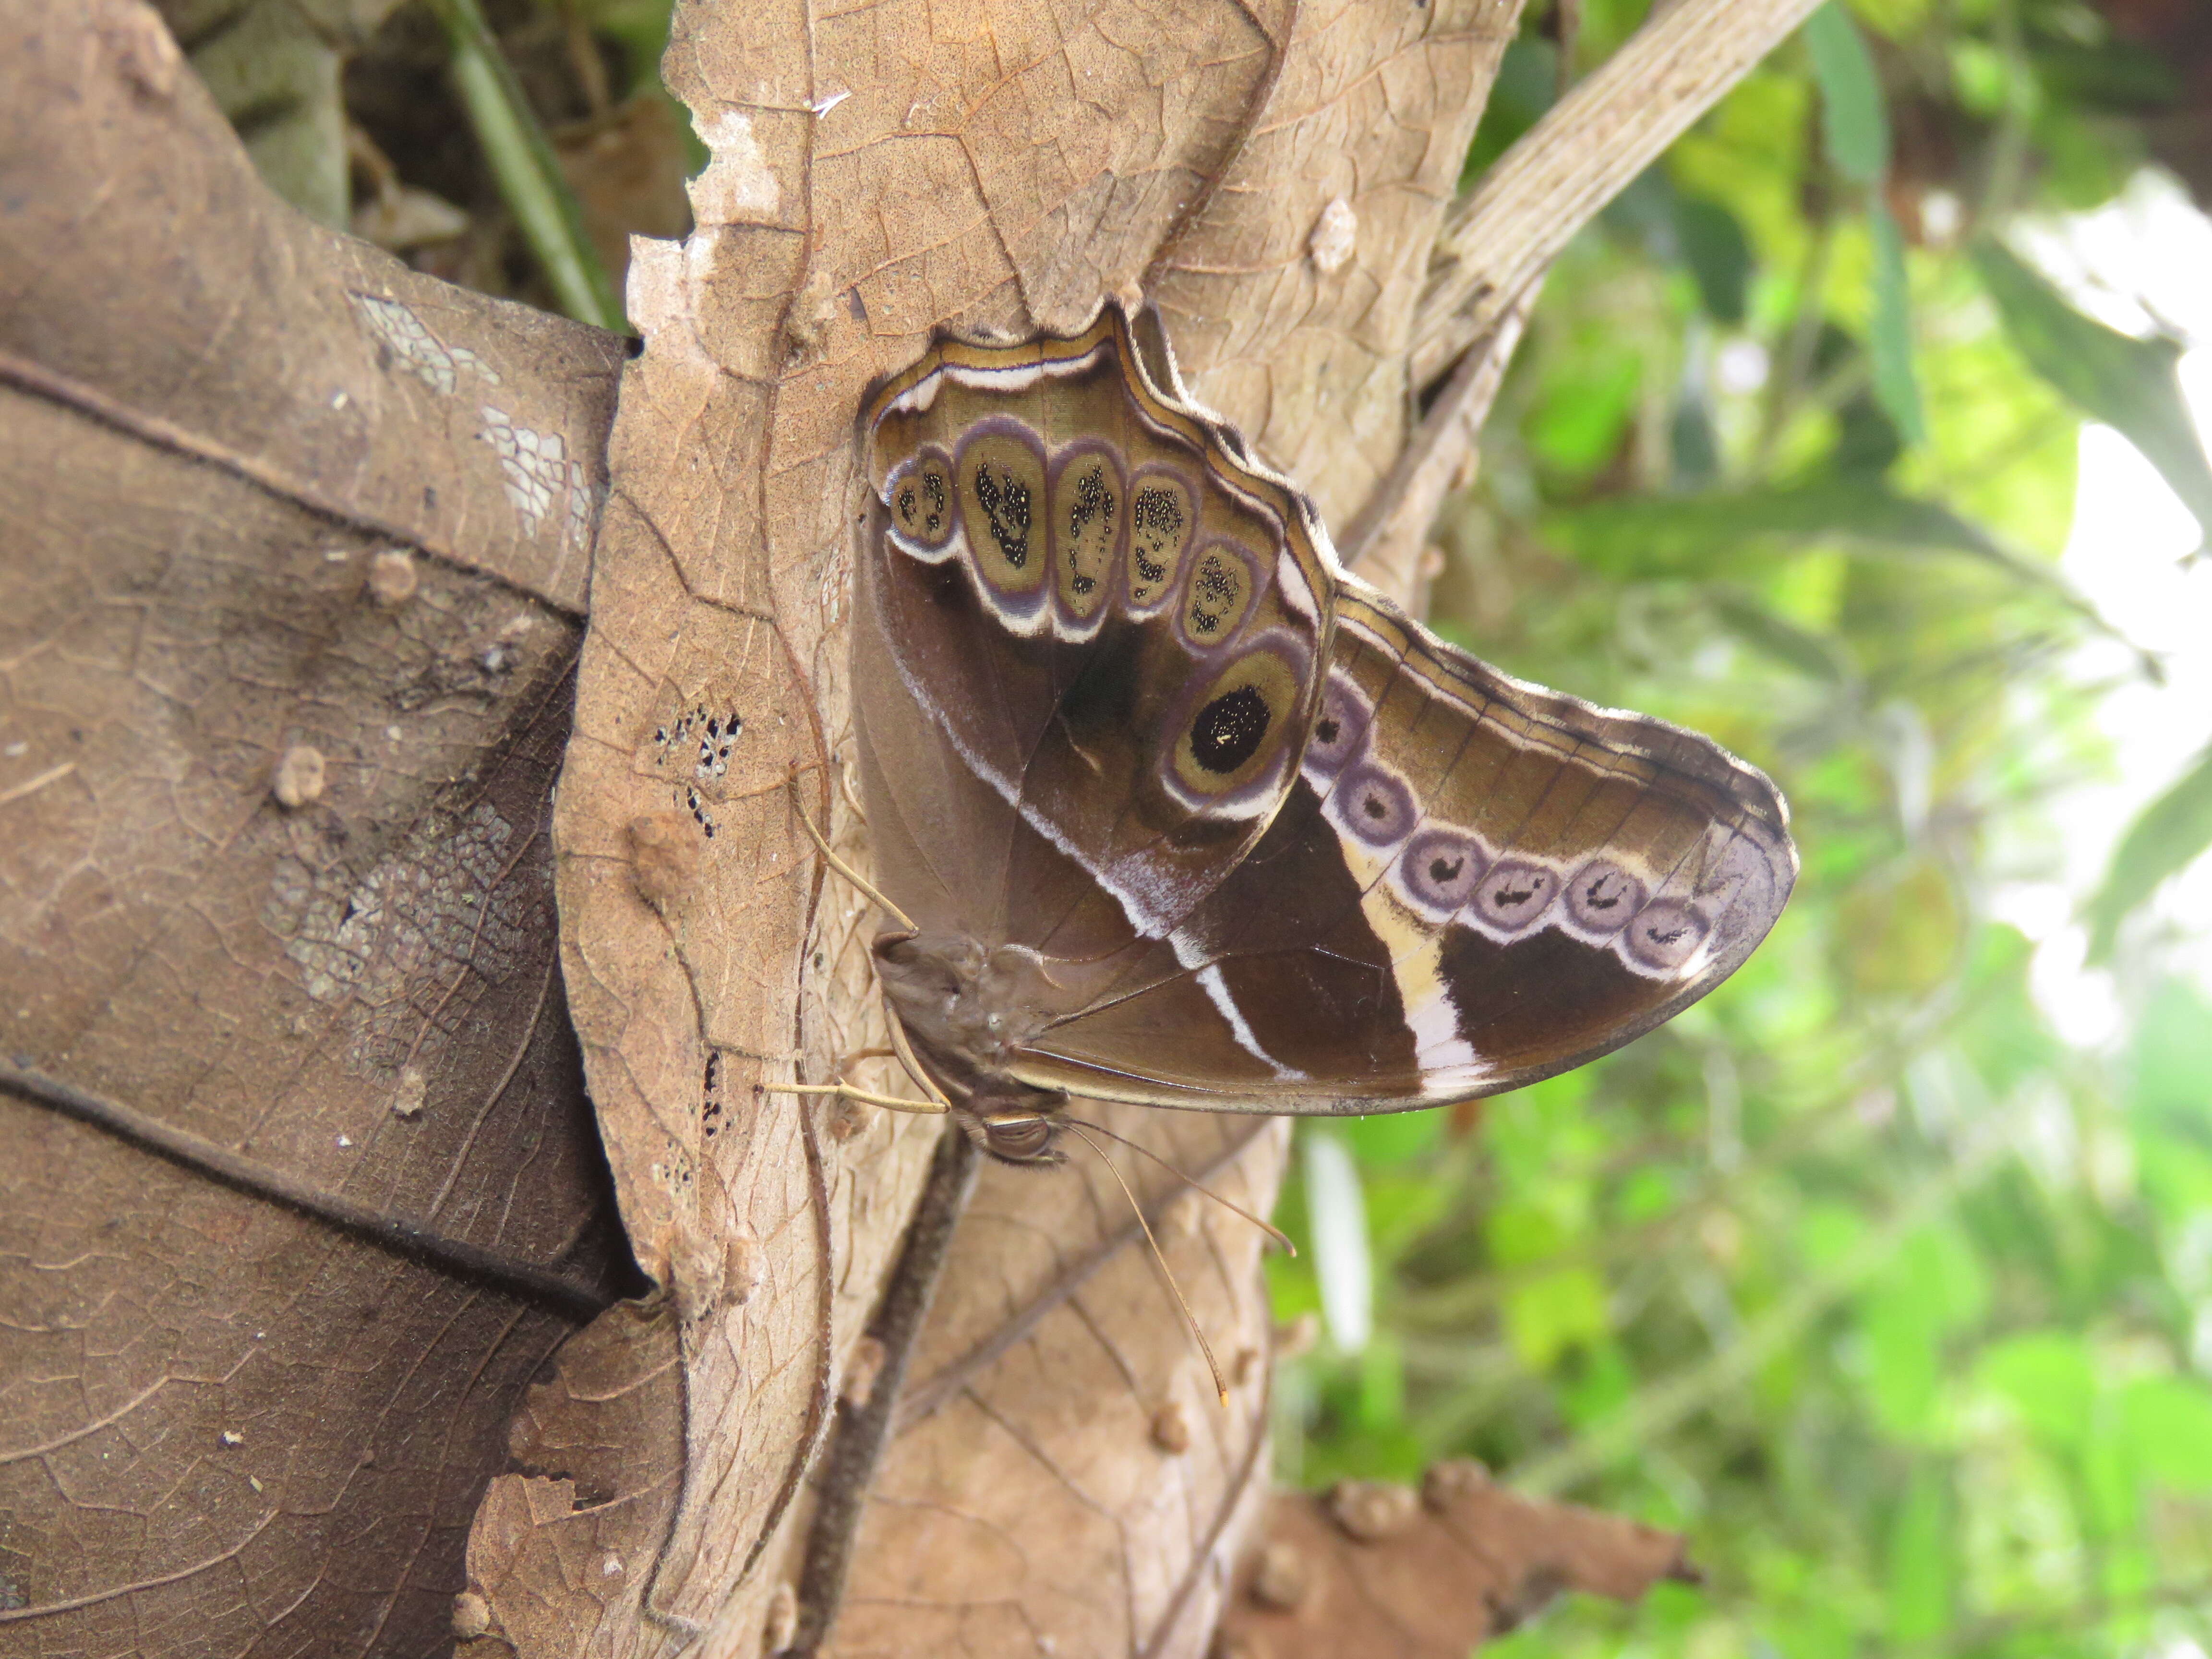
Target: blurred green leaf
(2171, 1069)
(1553, 1313)
(1935, 1289)
(2168, 1422)
(1682, 535)
(2167, 837)
(2048, 1377)
(1890, 339)
(1817, 656)
(1854, 124)
(1388, 1140)
(1901, 930)
(1718, 254)
(1527, 83)
(2127, 383)
(641, 26)
(1586, 412)
(1693, 444)
(1923, 1560)
(1679, 1280)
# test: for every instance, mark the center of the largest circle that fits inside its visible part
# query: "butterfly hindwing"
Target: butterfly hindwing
(1271, 845)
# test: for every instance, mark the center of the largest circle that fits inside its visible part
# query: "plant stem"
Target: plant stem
(529, 173)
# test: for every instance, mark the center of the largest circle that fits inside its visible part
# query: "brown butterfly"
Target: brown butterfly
(1181, 814)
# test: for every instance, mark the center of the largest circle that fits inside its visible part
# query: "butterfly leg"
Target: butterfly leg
(865, 1096)
(937, 1103)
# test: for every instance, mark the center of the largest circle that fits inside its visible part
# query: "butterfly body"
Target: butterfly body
(1184, 816)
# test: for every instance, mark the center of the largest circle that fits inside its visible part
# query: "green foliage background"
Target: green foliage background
(1857, 1273)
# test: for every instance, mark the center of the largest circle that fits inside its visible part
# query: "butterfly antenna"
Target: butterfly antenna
(845, 788)
(843, 868)
(1265, 1226)
(1189, 1318)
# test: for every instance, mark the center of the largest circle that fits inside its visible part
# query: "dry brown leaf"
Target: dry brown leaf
(272, 872)
(898, 170)
(1369, 1571)
(1065, 1478)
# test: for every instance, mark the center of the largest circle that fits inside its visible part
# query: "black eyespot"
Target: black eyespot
(1007, 507)
(1229, 730)
(1157, 511)
(1376, 807)
(1327, 729)
(1444, 870)
(1093, 500)
(1157, 519)
(1603, 896)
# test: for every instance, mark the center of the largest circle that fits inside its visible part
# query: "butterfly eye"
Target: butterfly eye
(1228, 730)
(1375, 805)
(1020, 1136)
(1439, 869)
(1337, 732)
(1515, 894)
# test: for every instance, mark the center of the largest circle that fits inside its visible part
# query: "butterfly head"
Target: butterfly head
(962, 1001)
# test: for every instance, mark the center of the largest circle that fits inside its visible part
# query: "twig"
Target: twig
(1384, 543)
(1577, 158)
(856, 1444)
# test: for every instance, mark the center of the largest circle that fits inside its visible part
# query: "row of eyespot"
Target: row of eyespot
(1447, 874)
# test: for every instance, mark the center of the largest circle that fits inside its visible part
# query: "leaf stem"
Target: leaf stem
(470, 1263)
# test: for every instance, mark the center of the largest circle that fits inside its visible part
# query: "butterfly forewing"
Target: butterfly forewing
(1281, 848)
(1100, 630)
